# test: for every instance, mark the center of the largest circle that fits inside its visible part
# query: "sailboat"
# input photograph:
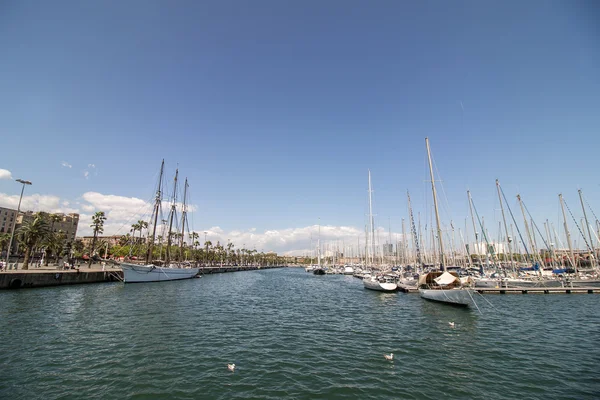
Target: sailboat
(318, 269)
(380, 283)
(148, 272)
(442, 286)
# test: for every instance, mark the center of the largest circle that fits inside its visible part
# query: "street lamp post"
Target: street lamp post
(12, 233)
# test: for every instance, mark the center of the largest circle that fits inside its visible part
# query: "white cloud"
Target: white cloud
(66, 164)
(295, 241)
(36, 202)
(87, 172)
(122, 211)
(5, 174)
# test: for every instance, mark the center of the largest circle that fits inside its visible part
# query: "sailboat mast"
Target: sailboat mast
(157, 202)
(404, 248)
(319, 244)
(562, 206)
(415, 234)
(172, 214)
(587, 224)
(437, 214)
(183, 219)
(371, 222)
(531, 242)
(505, 226)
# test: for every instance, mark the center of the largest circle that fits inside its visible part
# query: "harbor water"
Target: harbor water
(292, 335)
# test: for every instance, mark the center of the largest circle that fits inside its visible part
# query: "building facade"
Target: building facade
(66, 223)
(7, 217)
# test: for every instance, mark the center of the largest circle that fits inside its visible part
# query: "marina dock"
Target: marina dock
(33, 278)
(529, 290)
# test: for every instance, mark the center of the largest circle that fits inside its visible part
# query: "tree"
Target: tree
(31, 233)
(124, 240)
(54, 218)
(57, 245)
(134, 228)
(4, 239)
(98, 226)
(78, 247)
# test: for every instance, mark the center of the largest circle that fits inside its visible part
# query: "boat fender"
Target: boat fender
(57, 276)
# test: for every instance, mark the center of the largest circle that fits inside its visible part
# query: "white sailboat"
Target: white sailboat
(318, 269)
(374, 281)
(442, 286)
(134, 273)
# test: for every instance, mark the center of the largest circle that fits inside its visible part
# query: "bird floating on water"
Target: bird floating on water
(231, 367)
(389, 356)
(451, 324)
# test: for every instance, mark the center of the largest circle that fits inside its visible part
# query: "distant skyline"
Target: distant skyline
(275, 111)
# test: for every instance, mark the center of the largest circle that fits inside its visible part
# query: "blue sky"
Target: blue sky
(275, 110)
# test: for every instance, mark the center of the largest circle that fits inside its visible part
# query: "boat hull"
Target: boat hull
(149, 273)
(530, 283)
(380, 286)
(585, 283)
(458, 297)
(488, 283)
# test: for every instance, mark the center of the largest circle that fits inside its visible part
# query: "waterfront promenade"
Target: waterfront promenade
(52, 275)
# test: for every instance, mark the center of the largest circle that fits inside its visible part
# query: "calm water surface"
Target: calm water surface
(292, 335)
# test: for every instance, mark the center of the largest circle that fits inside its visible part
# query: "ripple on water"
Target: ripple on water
(291, 335)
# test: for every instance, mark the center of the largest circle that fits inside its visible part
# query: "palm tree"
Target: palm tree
(54, 218)
(4, 239)
(78, 247)
(208, 245)
(31, 233)
(98, 225)
(230, 252)
(57, 244)
(134, 228)
(142, 225)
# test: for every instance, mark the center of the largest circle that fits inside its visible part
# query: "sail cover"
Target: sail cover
(445, 279)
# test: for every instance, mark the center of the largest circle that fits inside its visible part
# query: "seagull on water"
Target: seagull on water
(451, 324)
(231, 367)
(389, 356)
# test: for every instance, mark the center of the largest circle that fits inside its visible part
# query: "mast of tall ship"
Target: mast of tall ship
(171, 215)
(437, 214)
(157, 202)
(183, 220)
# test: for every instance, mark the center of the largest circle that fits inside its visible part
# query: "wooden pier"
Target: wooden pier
(522, 290)
(539, 290)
